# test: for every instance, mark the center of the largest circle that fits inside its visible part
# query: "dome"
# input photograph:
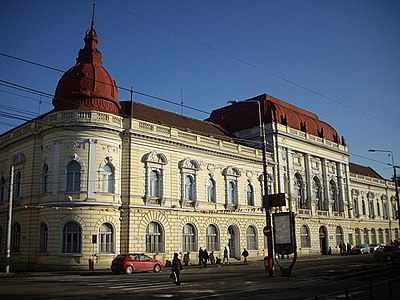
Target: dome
(87, 85)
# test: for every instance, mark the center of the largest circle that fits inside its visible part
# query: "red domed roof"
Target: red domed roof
(87, 85)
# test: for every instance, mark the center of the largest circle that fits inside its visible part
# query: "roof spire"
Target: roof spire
(94, 10)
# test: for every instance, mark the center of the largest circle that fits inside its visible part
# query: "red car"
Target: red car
(135, 262)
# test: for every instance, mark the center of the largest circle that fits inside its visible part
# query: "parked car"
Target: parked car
(135, 262)
(373, 247)
(389, 252)
(360, 249)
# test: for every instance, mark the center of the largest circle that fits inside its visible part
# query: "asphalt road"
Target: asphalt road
(359, 276)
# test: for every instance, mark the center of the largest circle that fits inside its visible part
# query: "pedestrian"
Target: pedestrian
(212, 258)
(186, 259)
(348, 248)
(245, 253)
(201, 252)
(205, 258)
(225, 256)
(176, 268)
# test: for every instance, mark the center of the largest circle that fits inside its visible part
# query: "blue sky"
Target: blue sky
(338, 59)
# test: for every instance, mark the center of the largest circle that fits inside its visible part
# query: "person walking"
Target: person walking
(245, 253)
(176, 268)
(225, 256)
(186, 259)
(212, 258)
(205, 258)
(201, 253)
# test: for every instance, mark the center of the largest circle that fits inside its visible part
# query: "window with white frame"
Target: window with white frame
(154, 182)
(44, 184)
(380, 235)
(2, 189)
(250, 194)
(17, 184)
(16, 237)
(72, 238)
(358, 236)
(333, 196)
(305, 240)
(188, 169)
(251, 238)
(73, 176)
(43, 238)
(106, 238)
(339, 235)
(189, 238)
(108, 178)
(387, 236)
(373, 236)
(355, 203)
(317, 193)
(154, 238)
(231, 175)
(212, 238)
(366, 236)
(211, 190)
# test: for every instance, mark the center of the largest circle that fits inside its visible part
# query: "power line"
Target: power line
(254, 66)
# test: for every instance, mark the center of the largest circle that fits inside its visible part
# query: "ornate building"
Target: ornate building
(95, 177)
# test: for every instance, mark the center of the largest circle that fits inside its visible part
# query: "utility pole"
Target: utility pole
(10, 203)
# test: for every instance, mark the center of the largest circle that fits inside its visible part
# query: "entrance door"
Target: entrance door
(233, 241)
(323, 240)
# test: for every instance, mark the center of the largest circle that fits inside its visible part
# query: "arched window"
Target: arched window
(251, 237)
(358, 236)
(106, 238)
(305, 237)
(2, 189)
(73, 177)
(17, 184)
(212, 238)
(366, 236)
(355, 203)
(380, 235)
(373, 236)
(154, 184)
(250, 194)
(387, 236)
(316, 191)
(298, 191)
(43, 238)
(371, 208)
(72, 238)
(45, 179)
(363, 208)
(108, 179)
(211, 190)
(385, 210)
(189, 169)
(333, 197)
(189, 187)
(378, 209)
(339, 235)
(232, 193)
(154, 238)
(189, 238)
(15, 237)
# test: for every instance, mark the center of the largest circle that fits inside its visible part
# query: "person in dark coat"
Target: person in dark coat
(176, 268)
(201, 253)
(205, 258)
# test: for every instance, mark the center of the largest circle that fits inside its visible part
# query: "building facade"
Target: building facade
(97, 176)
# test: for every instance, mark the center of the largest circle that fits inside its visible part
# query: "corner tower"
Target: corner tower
(87, 85)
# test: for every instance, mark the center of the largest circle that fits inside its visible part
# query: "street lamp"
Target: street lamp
(395, 179)
(266, 202)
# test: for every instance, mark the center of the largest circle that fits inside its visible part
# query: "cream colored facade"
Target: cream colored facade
(91, 183)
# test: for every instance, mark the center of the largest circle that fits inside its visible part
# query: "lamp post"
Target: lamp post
(395, 179)
(266, 202)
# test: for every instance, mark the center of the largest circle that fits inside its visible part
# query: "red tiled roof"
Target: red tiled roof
(239, 117)
(158, 116)
(365, 171)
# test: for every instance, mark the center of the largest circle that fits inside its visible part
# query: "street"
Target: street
(310, 278)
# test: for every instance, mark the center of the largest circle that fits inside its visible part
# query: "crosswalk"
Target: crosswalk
(126, 284)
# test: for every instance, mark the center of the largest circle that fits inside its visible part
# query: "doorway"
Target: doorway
(323, 240)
